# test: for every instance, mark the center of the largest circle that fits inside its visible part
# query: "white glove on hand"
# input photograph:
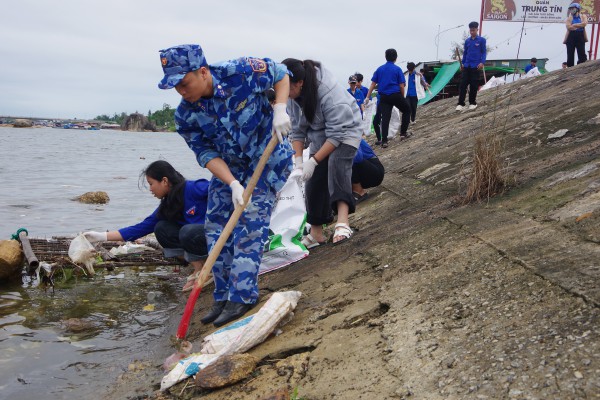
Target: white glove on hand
(298, 161)
(237, 193)
(366, 102)
(94, 237)
(281, 121)
(309, 168)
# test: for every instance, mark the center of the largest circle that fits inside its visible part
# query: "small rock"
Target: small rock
(225, 371)
(22, 123)
(93, 198)
(280, 394)
(558, 134)
(578, 375)
(11, 259)
(76, 325)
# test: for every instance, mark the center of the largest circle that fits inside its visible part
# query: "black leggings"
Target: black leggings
(369, 173)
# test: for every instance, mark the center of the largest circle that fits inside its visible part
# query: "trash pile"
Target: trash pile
(235, 339)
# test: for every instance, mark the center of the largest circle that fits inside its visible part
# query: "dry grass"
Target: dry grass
(485, 179)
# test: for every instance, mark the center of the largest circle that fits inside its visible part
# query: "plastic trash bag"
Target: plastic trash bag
(493, 82)
(244, 335)
(81, 251)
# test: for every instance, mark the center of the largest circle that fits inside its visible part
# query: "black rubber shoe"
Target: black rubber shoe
(232, 311)
(214, 312)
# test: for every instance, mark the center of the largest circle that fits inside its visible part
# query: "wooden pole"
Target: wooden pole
(597, 40)
(481, 18)
(32, 260)
(591, 52)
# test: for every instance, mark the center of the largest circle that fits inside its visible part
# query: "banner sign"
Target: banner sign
(537, 11)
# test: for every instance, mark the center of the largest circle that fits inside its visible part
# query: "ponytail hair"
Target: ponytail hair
(305, 71)
(171, 206)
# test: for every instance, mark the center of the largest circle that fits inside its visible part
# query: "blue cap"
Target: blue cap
(575, 5)
(178, 61)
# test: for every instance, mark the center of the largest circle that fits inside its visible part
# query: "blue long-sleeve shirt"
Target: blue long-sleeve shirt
(474, 52)
(195, 195)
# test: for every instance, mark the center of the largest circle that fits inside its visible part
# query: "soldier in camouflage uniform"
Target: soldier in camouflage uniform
(226, 119)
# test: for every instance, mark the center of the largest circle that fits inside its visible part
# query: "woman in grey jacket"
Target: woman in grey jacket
(325, 115)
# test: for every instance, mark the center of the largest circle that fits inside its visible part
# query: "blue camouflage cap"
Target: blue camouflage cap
(178, 61)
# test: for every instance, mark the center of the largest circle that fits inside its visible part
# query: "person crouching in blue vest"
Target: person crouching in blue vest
(473, 60)
(367, 171)
(227, 121)
(178, 222)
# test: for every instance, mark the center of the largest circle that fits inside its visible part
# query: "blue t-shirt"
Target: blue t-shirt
(475, 52)
(364, 91)
(195, 198)
(412, 88)
(364, 152)
(358, 95)
(529, 68)
(388, 78)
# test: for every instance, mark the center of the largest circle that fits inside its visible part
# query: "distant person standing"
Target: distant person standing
(356, 93)
(473, 60)
(415, 90)
(575, 37)
(390, 81)
(531, 65)
(359, 86)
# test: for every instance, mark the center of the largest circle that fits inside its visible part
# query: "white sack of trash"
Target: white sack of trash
(236, 338)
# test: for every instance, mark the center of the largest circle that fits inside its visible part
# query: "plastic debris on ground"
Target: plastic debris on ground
(238, 337)
(129, 248)
(81, 251)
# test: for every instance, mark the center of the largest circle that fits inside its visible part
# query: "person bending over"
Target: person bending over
(178, 222)
(325, 114)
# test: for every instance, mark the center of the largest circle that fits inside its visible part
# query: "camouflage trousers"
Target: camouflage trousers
(236, 269)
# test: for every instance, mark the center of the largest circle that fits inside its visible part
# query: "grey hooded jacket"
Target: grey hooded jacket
(337, 117)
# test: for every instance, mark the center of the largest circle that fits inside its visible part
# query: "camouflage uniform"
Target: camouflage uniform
(235, 125)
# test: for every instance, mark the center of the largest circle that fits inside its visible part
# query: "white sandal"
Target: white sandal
(344, 231)
(310, 242)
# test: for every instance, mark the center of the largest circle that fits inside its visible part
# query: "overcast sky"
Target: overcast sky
(82, 58)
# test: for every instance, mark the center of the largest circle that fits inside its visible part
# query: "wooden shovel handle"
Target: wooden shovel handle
(216, 250)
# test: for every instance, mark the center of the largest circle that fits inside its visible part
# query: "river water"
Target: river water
(42, 170)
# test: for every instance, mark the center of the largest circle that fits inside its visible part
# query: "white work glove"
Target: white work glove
(366, 102)
(94, 237)
(281, 121)
(237, 193)
(298, 161)
(309, 168)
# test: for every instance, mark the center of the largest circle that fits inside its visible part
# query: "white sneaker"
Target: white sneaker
(459, 107)
(472, 106)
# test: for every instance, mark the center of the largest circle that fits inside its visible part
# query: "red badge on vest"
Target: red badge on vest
(191, 211)
(257, 65)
